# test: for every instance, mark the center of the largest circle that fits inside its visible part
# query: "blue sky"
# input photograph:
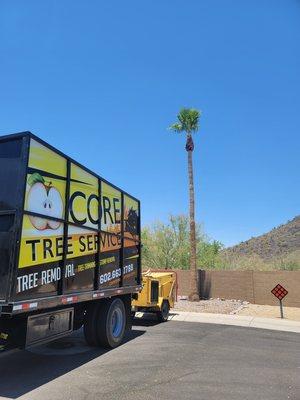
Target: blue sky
(103, 80)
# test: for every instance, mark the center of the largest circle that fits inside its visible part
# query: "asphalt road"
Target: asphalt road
(174, 360)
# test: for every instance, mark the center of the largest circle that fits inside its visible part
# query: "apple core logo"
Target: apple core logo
(43, 198)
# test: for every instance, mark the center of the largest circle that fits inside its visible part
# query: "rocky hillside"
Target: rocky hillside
(279, 242)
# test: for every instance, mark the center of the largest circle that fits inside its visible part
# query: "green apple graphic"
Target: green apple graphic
(44, 199)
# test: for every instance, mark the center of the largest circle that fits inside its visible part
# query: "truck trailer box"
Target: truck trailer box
(68, 237)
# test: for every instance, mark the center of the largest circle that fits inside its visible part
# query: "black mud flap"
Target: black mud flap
(8, 337)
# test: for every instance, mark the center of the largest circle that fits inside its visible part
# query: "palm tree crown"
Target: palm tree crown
(188, 121)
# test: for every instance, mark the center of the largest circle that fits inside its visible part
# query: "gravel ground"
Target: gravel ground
(256, 310)
(214, 306)
(238, 307)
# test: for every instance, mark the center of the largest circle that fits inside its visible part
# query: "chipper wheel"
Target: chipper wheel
(163, 314)
(105, 323)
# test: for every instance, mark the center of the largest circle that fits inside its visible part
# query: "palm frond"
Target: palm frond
(189, 119)
(176, 127)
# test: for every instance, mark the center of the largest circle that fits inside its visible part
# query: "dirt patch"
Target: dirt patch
(238, 307)
(256, 310)
(214, 306)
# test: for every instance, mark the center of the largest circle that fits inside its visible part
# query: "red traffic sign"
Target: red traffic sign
(279, 291)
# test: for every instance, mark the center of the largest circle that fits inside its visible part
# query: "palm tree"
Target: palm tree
(188, 122)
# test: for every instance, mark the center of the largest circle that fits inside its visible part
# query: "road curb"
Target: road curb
(237, 320)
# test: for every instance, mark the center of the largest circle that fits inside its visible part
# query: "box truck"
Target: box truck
(69, 248)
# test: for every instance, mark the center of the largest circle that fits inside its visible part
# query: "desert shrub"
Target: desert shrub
(166, 245)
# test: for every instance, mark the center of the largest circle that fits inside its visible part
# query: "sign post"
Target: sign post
(280, 292)
(281, 309)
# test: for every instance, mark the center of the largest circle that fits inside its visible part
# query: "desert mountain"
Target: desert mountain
(279, 242)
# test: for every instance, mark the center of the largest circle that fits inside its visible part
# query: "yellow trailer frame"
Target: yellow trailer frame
(158, 294)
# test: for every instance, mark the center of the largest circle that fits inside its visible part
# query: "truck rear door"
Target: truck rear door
(6, 238)
(11, 186)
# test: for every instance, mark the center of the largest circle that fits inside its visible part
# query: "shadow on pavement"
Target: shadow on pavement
(24, 371)
(149, 319)
(145, 322)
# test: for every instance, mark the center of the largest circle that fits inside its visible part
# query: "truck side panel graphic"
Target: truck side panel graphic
(77, 232)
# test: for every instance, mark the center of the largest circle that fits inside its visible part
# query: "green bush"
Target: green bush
(166, 245)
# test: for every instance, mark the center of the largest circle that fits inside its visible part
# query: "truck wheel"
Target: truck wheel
(90, 324)
(111, 323)
(163, 314)
(79, 317)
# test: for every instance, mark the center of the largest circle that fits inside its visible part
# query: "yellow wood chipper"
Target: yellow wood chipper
(158, 294)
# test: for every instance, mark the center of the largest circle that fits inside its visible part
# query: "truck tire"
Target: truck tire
(111, 323)
(79, 317)
(163, 314)
(90, 324)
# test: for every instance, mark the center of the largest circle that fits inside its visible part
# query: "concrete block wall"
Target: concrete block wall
(264, 282)
(252, 286)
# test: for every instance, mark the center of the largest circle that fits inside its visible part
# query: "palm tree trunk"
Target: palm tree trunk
(194, 291)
